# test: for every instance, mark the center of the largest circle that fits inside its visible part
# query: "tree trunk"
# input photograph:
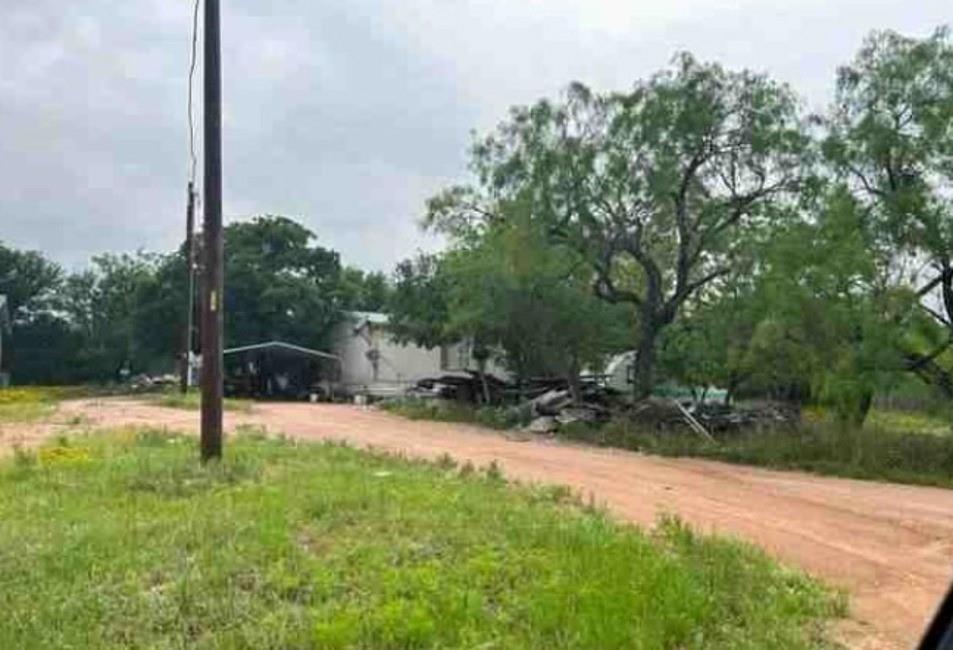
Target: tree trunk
(644, 371)
(575, 387)
(481, 369)
(852, 415)
(863, 407)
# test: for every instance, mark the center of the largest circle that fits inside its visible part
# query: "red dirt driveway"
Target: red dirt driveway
(890, 546)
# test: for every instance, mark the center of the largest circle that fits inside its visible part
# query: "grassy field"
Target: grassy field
(876, 451)
(192, 401)
(34, 403)
(892, 446)
(31, 403)
(124, 540)
(26, 404)
(909, 422)
(448, 411)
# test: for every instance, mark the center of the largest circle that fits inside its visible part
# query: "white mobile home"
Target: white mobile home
(374, 364)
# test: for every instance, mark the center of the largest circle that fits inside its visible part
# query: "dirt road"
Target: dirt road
(890, 546)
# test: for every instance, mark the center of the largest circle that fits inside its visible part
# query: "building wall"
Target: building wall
(399, 367)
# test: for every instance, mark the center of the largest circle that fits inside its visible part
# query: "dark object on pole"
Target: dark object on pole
(190, 288)
(212, 299)
(939, 636)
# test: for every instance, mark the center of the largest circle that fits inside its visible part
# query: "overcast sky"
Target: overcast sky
(346, 114)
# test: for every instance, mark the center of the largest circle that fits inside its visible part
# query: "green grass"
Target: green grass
(896, 446)
(192, 401)
(26, 412)
(33, 403)
(868, 453)
(28, 404)
(492, 417)
(909, 422)
(124, 540)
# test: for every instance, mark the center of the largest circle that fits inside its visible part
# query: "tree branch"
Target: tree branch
(863, 181)
(929, 286)
(937, 315)
(917, 361)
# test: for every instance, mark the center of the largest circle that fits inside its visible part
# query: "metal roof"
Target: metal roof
(284, 346)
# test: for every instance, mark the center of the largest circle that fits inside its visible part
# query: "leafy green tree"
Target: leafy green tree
(27, 279)
(531, 298)
(824, 291)
(655, 188)
(102, 305)
(891, 138)
(131, 309)
(419, 309)
(363, 291)
(829, 321)
(709, 344)
(44, 350)
(279, 283)
(39, 338)
(810, 319)
(510, 289)
(160, 315)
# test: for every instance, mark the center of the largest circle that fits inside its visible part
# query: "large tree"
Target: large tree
(419, 306)
(40, 338)
(27, 279)
(363, 290)
(512, 290)
(891, 138)
(102, 306)
(279, 284)
(655, 187)
(131, 309)
(827, 314)
(811, 318)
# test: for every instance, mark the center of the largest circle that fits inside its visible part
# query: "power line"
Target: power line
(193, 162)
(189, 251)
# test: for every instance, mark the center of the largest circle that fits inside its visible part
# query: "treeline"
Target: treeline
(705, 220)
(129, 311)
(701, 218)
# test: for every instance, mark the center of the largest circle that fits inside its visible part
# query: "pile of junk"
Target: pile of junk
(547, 404)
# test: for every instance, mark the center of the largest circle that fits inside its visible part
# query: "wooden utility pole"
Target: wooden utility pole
(212, 302)
(190, 288)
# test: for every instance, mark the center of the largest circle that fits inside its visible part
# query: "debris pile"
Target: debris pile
(720, 418)
(467, 386)
(146, 383)
(557, 407)
(548, 404)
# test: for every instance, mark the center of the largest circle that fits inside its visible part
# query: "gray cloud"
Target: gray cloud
(344, 114)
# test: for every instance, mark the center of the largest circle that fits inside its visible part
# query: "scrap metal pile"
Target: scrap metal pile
(549, 404)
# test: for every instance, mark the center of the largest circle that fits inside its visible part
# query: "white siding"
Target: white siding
(399, 366)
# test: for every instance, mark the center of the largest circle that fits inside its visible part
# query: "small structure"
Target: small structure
(374, 364)
(5, 328)
(276, 369)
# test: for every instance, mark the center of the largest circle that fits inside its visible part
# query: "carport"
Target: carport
(280, 370)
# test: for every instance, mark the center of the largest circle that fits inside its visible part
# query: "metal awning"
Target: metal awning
(281, 345)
